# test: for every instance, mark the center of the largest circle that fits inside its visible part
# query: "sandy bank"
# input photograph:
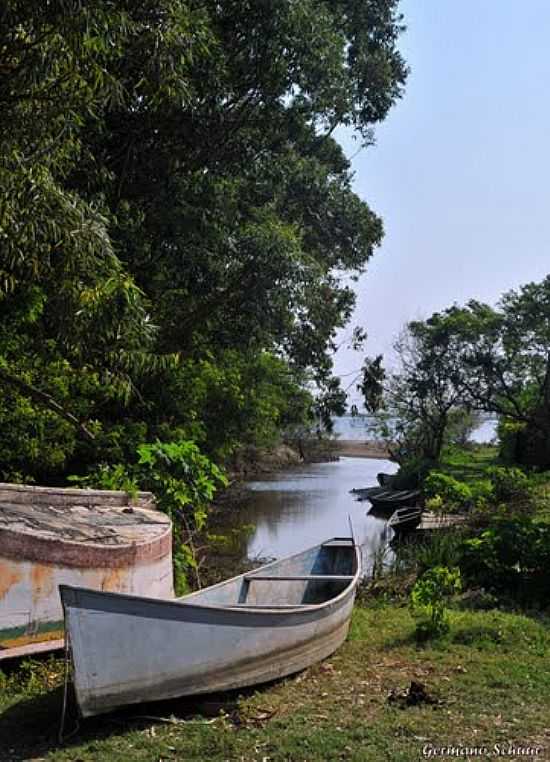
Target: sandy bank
(360, 449)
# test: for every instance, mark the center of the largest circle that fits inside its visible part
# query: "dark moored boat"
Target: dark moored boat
(390, 499)
(365, 493)
(384, 480)
(405, 520)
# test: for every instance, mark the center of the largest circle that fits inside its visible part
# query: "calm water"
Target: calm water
(305, 505)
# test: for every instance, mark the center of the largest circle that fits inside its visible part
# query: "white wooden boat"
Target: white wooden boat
(271, 622)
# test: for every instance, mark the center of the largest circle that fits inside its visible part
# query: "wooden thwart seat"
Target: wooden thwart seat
(338, 543)
(298, 577)
(271, 605)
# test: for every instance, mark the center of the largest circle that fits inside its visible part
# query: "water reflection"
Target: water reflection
(308, 504)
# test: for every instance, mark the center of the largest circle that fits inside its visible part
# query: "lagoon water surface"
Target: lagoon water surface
(304, 505)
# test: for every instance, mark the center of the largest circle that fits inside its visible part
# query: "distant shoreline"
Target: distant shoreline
(355, 448)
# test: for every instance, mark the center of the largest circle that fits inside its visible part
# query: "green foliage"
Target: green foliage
(420, 405)
(468, 464)
(503, 357)
(371, 385)
(183, 481)
(453, 493)
(436, 549)
(32, 678)
(429, 598)
(512, 556)
(151, 279)
(510, 485)
(500, 485)
(476, 357)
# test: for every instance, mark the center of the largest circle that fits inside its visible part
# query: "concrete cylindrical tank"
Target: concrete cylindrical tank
(90, 538)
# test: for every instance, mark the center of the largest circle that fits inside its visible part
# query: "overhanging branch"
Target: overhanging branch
(42, 398)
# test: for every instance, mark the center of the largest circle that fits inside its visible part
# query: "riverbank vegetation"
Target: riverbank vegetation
(463, 362)
(451, 368)
(458, 365)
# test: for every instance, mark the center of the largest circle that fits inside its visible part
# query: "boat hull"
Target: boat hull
(127, 650)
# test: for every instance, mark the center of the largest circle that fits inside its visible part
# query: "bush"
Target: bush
(183, 481)
(501, 485)
(453, 493)
(441, 549)
(429, 598)
(509, 484)
(512, 556)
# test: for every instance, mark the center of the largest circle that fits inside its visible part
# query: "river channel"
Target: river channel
(307, 504)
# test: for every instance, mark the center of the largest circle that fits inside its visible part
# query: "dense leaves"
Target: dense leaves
(177, 225)
(512, 555)
(183, 481)
(429, 597)
(471, 358)
(504, 354)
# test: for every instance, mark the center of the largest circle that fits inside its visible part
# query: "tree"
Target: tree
(505, 354)
(421, 397)
(172, 197)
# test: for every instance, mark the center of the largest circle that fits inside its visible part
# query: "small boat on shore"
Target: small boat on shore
(259, 626)
(384, 485)
(405, 520)
(415, 520)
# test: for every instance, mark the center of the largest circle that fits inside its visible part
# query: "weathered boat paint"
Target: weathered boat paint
(253, 628)
(97, 538)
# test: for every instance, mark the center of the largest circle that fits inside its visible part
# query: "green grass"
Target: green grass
(490, 677)
(468, 464)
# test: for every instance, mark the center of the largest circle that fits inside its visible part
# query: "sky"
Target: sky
(460, 171)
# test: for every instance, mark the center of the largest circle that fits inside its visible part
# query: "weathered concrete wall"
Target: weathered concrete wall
(30, 608)
(88, 538)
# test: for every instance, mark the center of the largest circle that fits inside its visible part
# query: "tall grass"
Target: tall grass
(438, 549)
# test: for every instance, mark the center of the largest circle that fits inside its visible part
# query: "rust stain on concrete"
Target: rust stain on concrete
(114, 580)
(9, 576)
(41, 581)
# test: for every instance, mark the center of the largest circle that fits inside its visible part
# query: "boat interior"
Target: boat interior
(307, 579)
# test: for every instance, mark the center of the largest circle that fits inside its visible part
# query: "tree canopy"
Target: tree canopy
(505, 353)
(485, 358)
(177, 223)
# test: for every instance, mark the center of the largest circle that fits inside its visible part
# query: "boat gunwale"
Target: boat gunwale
(178, 603)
